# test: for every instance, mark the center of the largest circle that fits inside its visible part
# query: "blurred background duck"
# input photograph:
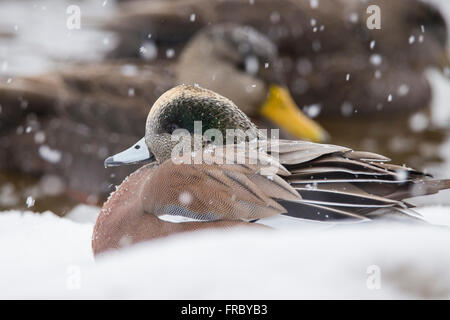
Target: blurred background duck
(326, 47)
(89, 104)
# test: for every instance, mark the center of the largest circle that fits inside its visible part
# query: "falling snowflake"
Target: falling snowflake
(251, 65)
(30, 202)
(148, 50)
(401, 175)
(347, 109)
(403, 90)
(50, 155)
(185, 198)
(313, 110)
(376, 59)
(314, 3)
(170, 53)
(418, 122)
(275, 17)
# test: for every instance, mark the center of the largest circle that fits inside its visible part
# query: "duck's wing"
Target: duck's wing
(304, 180)
(336, 182)
(209, 192)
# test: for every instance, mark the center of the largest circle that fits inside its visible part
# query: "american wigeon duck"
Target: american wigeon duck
(87, 102)
(305, 180)
(328, 55)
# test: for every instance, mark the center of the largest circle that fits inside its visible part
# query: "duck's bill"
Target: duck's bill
(281, 109)
(138, 153)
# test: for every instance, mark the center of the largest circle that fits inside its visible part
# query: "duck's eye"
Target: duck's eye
(137, 146)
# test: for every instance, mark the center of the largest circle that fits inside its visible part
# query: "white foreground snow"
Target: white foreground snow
(44, 256)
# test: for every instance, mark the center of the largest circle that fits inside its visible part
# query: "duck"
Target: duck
(326, 50)
(89, 104)
(177, 190)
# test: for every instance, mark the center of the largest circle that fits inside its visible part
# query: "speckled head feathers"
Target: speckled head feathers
(181, 106)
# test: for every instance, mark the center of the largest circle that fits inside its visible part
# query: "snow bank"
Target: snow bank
(83, 213)
(44, 256)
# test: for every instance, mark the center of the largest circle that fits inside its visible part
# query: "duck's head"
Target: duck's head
(238, 62)
(178, 109)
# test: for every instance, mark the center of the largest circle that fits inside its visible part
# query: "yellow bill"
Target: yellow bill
(280, 108)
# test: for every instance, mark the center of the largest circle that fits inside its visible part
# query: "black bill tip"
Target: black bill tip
(109, 162)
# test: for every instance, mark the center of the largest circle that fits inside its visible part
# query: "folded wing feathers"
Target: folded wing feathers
(354, 183)
(318, 181)
(346, 199)
(365, 156)
(306, 210)
(295, 152)
(226, 192)
(246, 199)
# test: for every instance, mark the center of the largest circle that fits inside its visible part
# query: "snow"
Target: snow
(418, 122)
(49, 154)
(376, 59)
(314, 3)
(83, 213)
(30, 201)
(312, 110)
(45, 256)
(148, 50)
